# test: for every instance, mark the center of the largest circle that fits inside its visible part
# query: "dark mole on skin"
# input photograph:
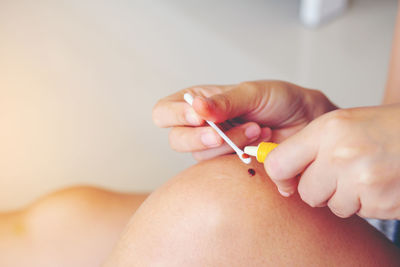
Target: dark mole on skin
(252, 172)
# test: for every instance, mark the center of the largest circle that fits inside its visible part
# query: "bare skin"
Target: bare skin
(205, 216)
(213, 214)
(216, 214)
(72, 227)
(358, 147)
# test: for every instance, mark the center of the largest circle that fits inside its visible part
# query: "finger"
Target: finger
(280, 135)
(265, 136)
(168, 114)
(230, 104)
(287, 187)
(317, 184)
(291, 157)
(345, 201)
(189, 139)
(239, 136)
(174, 111)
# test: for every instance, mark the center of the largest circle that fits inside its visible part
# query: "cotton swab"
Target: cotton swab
(189, 99)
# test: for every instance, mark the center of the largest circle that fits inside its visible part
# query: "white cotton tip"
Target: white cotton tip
(245, 160)
(188, 98)
(251, 150)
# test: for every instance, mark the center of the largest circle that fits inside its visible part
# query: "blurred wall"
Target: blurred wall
(78, 79)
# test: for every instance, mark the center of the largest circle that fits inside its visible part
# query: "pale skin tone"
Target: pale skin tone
(214, 216)
(359, 148)
(73, 227)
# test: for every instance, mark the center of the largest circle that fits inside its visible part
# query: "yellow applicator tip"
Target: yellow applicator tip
(261, 151)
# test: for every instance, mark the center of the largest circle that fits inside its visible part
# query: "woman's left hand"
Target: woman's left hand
(347, 159)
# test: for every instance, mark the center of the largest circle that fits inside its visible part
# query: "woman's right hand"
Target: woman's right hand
(249, 112)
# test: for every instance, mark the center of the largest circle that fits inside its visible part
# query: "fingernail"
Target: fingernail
(252, 131)
(192, 117)
(209, 139)
(283, 193)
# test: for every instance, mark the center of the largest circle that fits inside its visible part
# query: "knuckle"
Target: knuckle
(338, 119)
(347, 153)
(223, 102)
(247, 84)
(383, 207)
(360, 154)
(250, 86)
(317, 93)
(369, 177)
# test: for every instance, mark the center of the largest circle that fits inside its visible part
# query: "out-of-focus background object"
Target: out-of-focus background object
(315, 12)
(78, 79)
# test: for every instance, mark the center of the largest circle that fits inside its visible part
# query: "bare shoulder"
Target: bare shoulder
(73, 226)
(223, 201)
(84, 202)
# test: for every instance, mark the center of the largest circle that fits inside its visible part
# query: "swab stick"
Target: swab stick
(189, 99)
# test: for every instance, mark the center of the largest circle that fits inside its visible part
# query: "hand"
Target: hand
(348, 160)
(257, 111)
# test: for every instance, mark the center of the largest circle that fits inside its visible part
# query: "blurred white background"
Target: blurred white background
(78, 79)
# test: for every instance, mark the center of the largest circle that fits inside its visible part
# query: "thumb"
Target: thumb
(291, 158)
(227, 105)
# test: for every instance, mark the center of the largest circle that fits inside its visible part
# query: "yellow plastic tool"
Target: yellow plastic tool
(261, 151)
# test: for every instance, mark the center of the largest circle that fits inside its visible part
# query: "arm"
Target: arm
(392, 92)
